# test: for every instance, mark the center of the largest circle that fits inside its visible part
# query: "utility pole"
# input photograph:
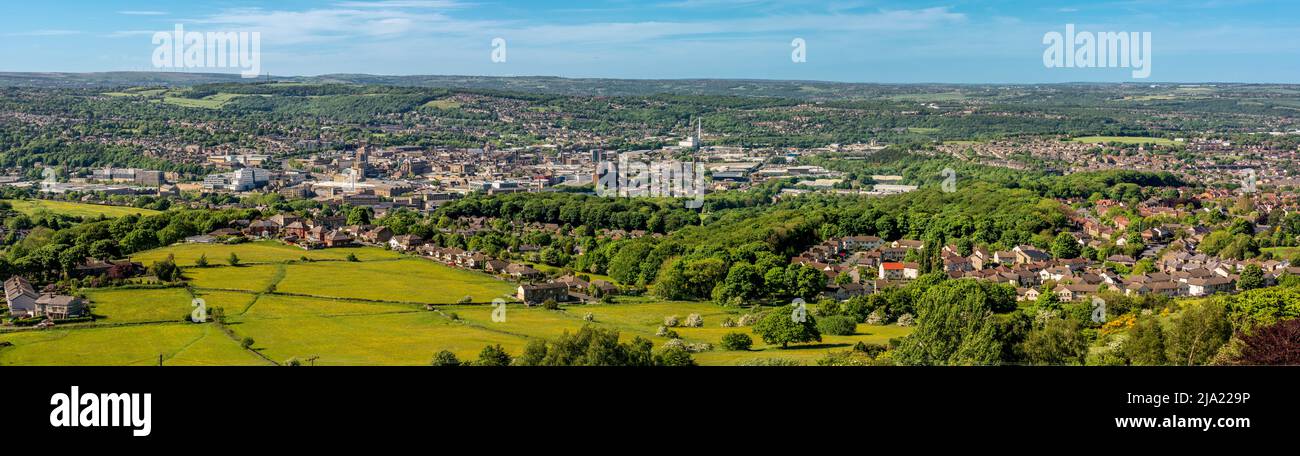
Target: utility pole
(312, 360)
(160, 359)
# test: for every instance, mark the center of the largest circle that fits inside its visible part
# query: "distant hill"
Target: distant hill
(114, 79)
(531, 84)
(925, 94)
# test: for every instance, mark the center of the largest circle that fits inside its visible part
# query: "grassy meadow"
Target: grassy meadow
(257, 252)
(32, 206)
(370, 312)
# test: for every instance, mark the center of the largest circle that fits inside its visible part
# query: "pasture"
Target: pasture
(140, 305)
(257, 252)
(216, 101)
(32, 207)
(412, 280)
(140, 345)
(370, 312)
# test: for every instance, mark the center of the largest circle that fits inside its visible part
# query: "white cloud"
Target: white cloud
(130, 33)
(45, 33)
(283, 27)
(439, 4)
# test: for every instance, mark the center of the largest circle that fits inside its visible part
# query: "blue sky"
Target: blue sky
(847, 40)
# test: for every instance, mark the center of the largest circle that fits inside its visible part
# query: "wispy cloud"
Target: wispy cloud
(45, 33)
(884, 21)
(441, 4)
(142, 13)
(345, 21)
(130, 33)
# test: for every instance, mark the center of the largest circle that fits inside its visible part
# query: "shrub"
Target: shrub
(671, 321)
(246, 342)
(872, 350)
(906, 320)
(694, 321)
(837, 325)
(737, 341)
(493, 355)
(845, 358)
(550, 304)
(674, 356)
(465, 300)
(782, 327)
(445, 358)
(1274, 345)
(589, 317)
(663, 331)
(728, 323)
(352, 257)
(875, 318)
(747, 320)
(700, 347)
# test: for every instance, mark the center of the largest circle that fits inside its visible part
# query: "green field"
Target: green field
(257, 252)
(140, 305)
(1124, 140)
(216, 101)
(370, 312)
(407, 280)
(1283, 253)
(442, 104)
(31, 207)
(178, 343)
(255, 278)
(136, 92)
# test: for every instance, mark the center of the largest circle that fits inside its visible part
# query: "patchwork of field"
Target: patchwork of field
(258, 252)
(140, 345)
(31, 207)
(370, 312)
(407, 280)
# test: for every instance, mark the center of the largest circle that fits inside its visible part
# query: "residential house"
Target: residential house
(377, 235)
(24, 302)
(1075, 293)
(522, 272)
(1029, 254)
(405, 242)
(539, 293)
(1209, 285)
(854, 243)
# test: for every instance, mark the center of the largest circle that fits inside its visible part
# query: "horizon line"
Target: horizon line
(236, 75)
